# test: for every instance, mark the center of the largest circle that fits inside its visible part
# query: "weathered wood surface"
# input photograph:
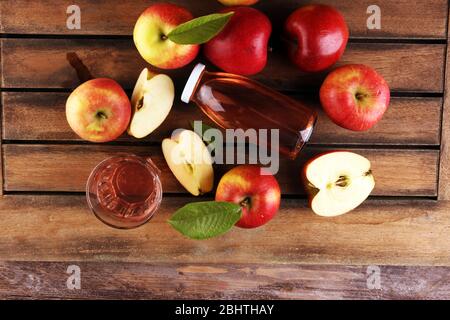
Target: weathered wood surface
(66, 168)
(41, 116)
(43, 63)
(392, 232)
(400, 18)
(103, 280)
(296, 255)
(444, 164)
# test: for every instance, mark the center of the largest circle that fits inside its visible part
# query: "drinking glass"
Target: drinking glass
(124, 191)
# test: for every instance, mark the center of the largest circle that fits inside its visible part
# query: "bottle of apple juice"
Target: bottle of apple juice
(236, 102)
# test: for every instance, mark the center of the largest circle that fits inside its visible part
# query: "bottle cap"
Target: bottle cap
(192, 82)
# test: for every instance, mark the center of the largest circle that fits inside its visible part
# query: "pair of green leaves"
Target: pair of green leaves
(203, 220)
(200, 30)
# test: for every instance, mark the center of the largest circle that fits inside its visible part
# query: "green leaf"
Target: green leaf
(203, 220)
(201, 29)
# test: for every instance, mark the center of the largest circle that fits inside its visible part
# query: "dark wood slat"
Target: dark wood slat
(60, 228)
(41, 116)
(42, 63)
(399, 17)
(66, 168)
(103, 280)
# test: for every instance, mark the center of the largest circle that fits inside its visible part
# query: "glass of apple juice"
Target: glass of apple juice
(124, 191)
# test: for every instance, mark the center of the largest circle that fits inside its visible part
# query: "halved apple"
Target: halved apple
(190, 161)
(337, 182)
(151, 102)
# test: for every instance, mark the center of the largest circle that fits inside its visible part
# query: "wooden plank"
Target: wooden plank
(117, 17)
(41, 116)
(1, 125)
(42, 63)
(66, 168)
(60, 228)
(102, 280)
(444, 163)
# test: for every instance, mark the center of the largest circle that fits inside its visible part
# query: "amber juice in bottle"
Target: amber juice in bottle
(236, 102)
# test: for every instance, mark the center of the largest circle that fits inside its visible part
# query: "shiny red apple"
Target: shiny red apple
(317, 36)
(355, 96)
(241, 47)
(98, 110)
(255, 189)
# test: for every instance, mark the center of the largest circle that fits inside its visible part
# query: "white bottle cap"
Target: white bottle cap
(192, 82)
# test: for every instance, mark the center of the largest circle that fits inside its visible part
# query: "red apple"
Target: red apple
(98, 110)
(241, 47)
(317, 36)
(238, 2)
(255, 189)
(150, 36)
(355, 96)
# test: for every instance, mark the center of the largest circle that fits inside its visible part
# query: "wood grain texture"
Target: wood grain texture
(41, 116)
(61, 228)
(102, 280)
(66, 168)
(444, 163)
(296, 255)
(42, 63)
(1, 125)
(117, 17)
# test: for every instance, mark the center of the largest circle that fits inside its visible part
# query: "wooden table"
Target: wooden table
(45, 226)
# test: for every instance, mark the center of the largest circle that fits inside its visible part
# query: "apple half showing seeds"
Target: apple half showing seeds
(151, 102)
(337, 182)
(190, 161)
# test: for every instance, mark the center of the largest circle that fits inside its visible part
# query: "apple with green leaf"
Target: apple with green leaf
(255, 189)
(98, 110)
(151, 36)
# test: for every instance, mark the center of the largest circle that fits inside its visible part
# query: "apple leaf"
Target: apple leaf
(203, 220)
(201, 29)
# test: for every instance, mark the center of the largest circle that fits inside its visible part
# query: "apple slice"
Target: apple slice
(151, 101)
(337, 182)
(190, 161)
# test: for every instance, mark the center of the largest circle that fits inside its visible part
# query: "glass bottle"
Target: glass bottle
(237, 102)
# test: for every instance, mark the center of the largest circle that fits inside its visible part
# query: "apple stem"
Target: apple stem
(245, 202)
(164, 37)
(101, 115)
(360, 96)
